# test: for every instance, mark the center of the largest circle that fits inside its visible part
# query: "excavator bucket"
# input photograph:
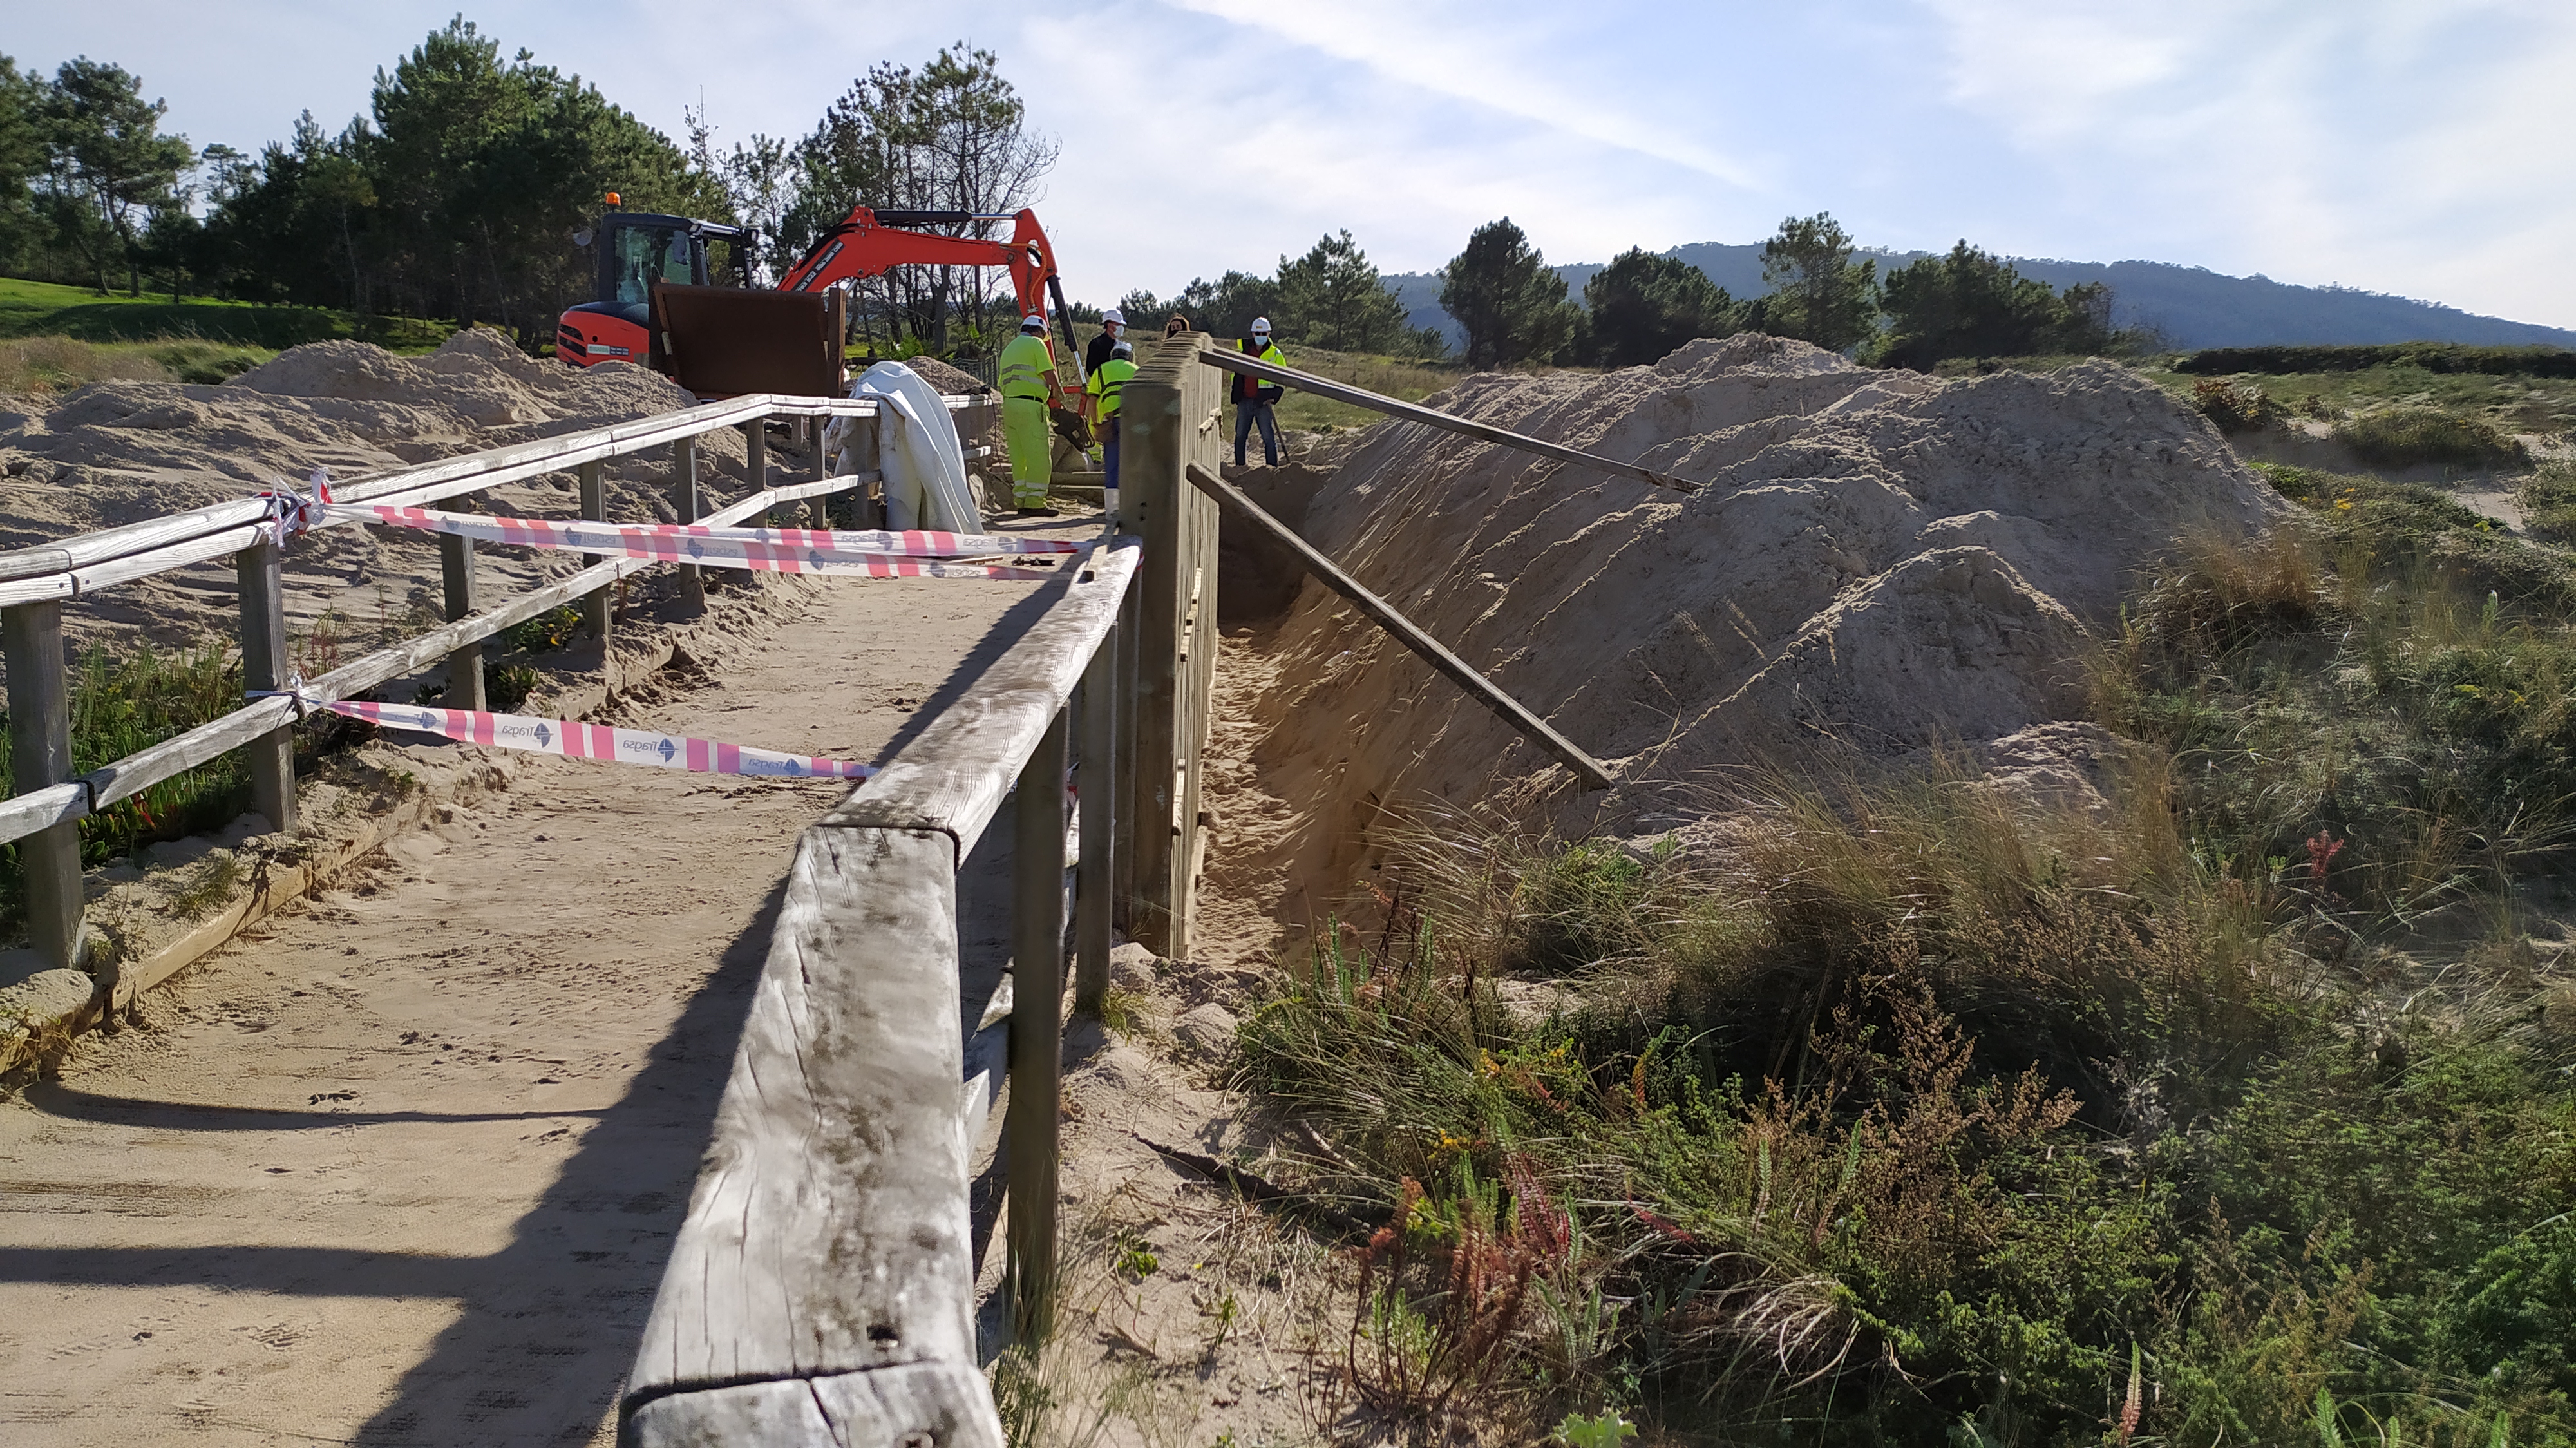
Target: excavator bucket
(727, 341)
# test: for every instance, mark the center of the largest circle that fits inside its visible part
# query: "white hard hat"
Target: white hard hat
(1113, 318)
(1032, 323)
(1261, 326)
(1123, 349)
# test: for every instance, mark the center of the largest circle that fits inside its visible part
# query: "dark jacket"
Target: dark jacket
(1097, 352)
(1247, 389)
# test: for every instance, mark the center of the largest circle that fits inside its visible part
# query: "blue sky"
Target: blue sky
(2420, 147)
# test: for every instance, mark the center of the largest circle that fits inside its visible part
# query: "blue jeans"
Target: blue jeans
(1245, 415)
(1109, 456)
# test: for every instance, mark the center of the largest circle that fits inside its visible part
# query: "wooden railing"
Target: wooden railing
(35, 583)
(820, 1287)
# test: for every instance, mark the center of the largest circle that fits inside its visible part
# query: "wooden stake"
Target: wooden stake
(684, 501)
(264, 666)
(1503, 705)
(1413, 412)
(1098, 776)
(1029, 1125)
(465, 666)
(596, 605)
(40, 754)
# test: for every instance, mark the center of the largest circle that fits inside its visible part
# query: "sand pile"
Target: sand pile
(1881, 564)
(119, 452)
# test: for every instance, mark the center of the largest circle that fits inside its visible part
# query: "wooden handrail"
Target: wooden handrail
(25, 814)
(83, 564)
(1448, 421)
(820, 1289)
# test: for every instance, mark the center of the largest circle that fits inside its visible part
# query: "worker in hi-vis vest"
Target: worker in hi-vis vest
(1252, 399)
(1107, 381)
(1025, 377)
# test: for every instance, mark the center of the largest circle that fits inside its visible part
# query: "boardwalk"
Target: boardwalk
(406, 1169)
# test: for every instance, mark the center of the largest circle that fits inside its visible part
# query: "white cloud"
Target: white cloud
(2402, 145)
(2393, 145)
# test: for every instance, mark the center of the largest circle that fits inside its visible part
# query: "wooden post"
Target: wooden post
(40, 753)
(596, 605)
(264, 666)
(1037, 1015)
(465, 666)
(867, 455)
(1174, 421)
(1123, 859)
(684, 501)
(755, 463)
(809, 431)
(1098, 753)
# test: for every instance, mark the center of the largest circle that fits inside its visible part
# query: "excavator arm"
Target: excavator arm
(868, 243)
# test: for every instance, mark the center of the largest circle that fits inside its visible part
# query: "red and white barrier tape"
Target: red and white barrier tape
(873, 553)
(573, 739)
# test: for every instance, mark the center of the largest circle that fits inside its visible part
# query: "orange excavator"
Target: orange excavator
(657, 268)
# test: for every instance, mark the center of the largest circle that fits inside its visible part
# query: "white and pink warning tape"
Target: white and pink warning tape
(573, 739)
(872, 553)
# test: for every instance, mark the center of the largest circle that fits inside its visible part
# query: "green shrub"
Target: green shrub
(121, 706)
(2235, 407)
(2399, 437)
(2549, 503)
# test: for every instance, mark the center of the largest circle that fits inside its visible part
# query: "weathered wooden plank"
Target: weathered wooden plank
(828, 1230)
(914, 1406)
(265, 666)
(1450, 422)
(1503, 706)
(40, 755)
(953, 774)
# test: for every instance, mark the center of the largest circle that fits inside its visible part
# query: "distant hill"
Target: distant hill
(2194, 306)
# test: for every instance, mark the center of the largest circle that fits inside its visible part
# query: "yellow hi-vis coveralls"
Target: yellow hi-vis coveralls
(1025, 375)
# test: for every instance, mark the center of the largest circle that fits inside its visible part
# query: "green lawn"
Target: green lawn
(45, 309)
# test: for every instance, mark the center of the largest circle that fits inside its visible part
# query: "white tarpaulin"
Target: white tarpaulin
(917, 449)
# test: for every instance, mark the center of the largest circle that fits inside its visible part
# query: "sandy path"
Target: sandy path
(405, 1168)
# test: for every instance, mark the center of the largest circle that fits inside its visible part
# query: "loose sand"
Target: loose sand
(120, 452)
(1881, 564)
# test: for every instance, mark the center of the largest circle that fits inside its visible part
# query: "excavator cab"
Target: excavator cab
(632, 251)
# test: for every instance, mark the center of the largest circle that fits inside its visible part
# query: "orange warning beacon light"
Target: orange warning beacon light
(612, 198)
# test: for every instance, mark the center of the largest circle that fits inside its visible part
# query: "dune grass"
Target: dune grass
(1404, 379)
(2242, 1110)
(2507, 402)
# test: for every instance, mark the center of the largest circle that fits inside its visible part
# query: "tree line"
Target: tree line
(1517, 311)
(458, 193)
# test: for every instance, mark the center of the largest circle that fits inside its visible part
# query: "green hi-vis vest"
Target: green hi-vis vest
(1025, 366)
(1106, 384)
